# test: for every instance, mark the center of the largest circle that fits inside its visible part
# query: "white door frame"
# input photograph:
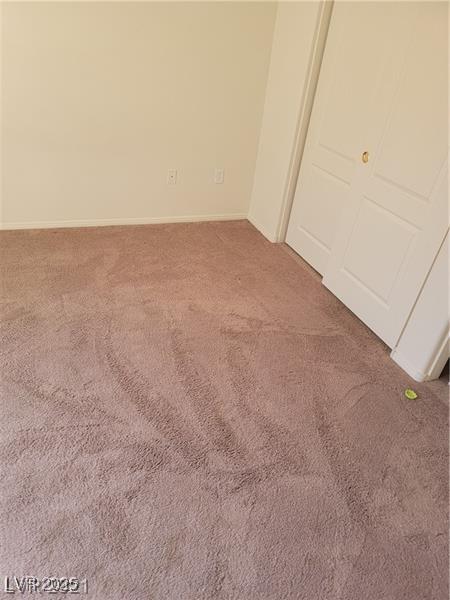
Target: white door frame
(306, 105)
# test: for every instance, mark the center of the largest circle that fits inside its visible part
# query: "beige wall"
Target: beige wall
(99, 100)
(294, 41)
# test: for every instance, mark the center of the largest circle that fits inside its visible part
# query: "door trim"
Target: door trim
(437, 363)
(306, 105)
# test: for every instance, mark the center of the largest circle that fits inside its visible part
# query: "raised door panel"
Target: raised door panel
(413, 146)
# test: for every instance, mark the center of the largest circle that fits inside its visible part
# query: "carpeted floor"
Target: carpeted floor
(188, 414)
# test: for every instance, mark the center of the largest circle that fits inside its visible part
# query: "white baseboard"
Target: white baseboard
(407, 366)
(263, 230)
(120, 221)
(433, 364)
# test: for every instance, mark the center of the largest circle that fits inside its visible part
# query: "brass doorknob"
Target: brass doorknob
(365, 157)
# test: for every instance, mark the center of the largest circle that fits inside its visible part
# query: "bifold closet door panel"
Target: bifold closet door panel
(396, 214)
(361, 40)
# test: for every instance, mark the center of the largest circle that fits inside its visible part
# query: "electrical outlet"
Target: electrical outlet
(219, 176)
(171, 177)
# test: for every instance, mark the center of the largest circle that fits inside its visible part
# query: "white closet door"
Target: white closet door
(361, 40)
(396, 212)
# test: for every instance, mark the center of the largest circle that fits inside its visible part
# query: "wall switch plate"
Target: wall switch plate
(219, 176)
(171, 177)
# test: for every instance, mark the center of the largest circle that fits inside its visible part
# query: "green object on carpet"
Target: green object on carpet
(410, 394)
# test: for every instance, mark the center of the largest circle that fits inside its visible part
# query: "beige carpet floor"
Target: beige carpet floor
(188, 414)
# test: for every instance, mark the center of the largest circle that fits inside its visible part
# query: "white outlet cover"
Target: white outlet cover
(171, 177)
(219, 176)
